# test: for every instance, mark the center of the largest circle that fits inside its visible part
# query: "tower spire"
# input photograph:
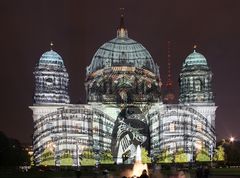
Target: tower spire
(122, 25)
(169, 75)
(169, 94)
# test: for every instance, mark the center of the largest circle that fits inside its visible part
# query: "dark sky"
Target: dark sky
(78, 28)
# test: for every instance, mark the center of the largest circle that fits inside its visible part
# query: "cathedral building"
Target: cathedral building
(124, 106)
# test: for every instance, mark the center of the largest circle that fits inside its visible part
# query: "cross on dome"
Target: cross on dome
(51, 45)
(194, 48)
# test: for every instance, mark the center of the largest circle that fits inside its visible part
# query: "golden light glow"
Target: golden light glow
(51, 146)
(198, 145)
(172, 127)
(138, 168)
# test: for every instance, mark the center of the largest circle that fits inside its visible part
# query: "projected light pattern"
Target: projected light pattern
(124, 108)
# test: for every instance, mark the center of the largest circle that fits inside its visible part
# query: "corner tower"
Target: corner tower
(195, 80)
(51, 80)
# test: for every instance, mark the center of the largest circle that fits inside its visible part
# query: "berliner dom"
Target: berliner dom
(124, 108)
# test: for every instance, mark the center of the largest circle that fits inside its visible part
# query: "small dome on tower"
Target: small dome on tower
(195, 61)
(51, 57)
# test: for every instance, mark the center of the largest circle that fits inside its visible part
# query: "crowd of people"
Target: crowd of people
(143, 175)
(201, 172)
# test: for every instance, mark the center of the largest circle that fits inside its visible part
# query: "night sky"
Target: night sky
(78, 28)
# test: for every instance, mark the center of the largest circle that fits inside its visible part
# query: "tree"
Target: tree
(47, 157)
(219, 154)
(202, 155)
(106, 157)
(88, 158)
(12, 153)
(181, 156)
(232, 152)
(164, 157)
(66, 159)
(145, 157)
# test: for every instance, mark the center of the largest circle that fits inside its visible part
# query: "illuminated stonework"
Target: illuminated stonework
(195, 80)
(51, 80)
(122, 85)
(123, 110)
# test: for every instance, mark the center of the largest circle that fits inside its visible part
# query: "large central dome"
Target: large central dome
(122, 51)
(122, 71)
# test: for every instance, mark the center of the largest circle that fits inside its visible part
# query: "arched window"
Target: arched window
(198, 85)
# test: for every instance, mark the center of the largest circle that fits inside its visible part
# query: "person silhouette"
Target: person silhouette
(199, 172)
(206, 172)
(144, 174)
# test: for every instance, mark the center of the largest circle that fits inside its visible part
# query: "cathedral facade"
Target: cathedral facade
(124, 106)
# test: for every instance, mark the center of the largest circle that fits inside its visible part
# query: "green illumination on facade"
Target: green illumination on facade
(66, 159)
(145, 158)
(165, 157)
(106, 157)
(203, 155)
(47, 158)
(181, 156)
(87, 158)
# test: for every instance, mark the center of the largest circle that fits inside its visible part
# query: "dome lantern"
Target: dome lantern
(122, 30)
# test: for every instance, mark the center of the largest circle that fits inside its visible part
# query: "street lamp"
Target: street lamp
(211, 154)
(232, 139)
(77, 155)
(78, 152)
(57, 149)
(193, 150)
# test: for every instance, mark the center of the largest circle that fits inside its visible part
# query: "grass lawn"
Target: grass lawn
(225, 171)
